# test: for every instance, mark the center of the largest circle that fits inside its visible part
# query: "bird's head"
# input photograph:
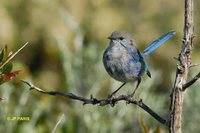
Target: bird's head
(122, 37)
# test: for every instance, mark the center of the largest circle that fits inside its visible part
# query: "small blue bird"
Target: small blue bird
(124, 62)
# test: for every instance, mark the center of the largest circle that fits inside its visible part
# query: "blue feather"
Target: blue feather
(155, 44)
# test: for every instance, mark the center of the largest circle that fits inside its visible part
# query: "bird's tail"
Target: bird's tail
(155, 44)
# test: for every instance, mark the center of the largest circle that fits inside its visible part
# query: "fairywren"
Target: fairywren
(124, 62)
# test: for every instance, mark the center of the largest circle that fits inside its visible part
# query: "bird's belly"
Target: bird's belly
(122, 68)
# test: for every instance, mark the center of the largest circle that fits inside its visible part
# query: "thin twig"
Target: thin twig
(102, 102)
(191, 82)
(12, 55)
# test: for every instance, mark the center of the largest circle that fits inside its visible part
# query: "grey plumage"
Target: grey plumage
(124, 62)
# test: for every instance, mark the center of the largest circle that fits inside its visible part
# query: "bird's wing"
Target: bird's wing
(133, 51)
(139, 61)
(155, 44)
(144, 64)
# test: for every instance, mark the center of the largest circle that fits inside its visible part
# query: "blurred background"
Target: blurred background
(66, 42)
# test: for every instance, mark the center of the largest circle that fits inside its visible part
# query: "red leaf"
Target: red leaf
(9, 76)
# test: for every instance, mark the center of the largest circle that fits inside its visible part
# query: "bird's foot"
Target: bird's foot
(114, 92)
(130, 96)
(112, 97)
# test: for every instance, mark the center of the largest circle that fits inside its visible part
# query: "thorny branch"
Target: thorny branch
(102, 102)
(177, 96)
(191, 82)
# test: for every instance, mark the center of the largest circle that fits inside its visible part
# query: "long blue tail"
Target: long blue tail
(155, 44)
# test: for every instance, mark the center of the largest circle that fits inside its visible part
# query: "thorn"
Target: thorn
(140, 102)
(194, 65)
(193, 36)
(183, 40)
(176, 58)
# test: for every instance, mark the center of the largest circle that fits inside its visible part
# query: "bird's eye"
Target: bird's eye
(121, 38)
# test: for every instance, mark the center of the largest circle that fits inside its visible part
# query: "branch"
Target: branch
(177, 96)
(102, 102)
(191, 82)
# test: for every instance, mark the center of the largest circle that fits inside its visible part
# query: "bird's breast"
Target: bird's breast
(120, 64)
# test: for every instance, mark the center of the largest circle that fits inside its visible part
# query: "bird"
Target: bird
(124, 62)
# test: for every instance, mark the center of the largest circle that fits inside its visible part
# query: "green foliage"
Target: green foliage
(7, 68)
(6, 73)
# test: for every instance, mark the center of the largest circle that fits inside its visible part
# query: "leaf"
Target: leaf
(1, 55)
(5, 52)
(7, 68)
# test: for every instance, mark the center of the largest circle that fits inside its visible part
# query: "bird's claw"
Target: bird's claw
(129, 98)
(111, 96)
